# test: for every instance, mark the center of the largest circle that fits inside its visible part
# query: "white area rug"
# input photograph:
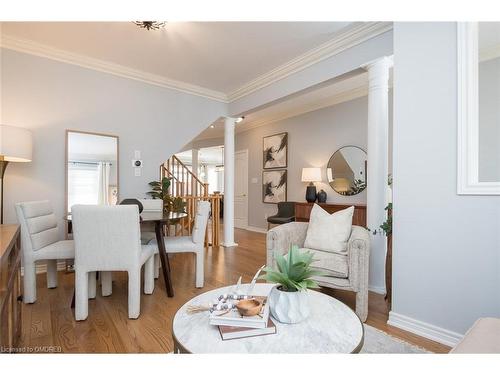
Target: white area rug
(380, 342)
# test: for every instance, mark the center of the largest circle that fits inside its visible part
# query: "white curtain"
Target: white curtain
(103, 169)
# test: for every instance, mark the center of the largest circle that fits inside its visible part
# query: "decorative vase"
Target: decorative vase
(288, 307)
(311, 193)
(322, 196)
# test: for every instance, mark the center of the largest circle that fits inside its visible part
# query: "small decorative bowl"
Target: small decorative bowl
(249, 307)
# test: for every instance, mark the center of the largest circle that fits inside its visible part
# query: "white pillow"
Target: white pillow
(329, 232)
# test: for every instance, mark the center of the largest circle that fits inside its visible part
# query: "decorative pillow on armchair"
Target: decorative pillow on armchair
(329, 232)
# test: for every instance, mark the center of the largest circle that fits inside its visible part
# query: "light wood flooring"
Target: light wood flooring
(50, 321)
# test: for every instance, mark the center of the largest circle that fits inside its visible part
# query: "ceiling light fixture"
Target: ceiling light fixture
(240, 119)
(212, 126)
(150, 25)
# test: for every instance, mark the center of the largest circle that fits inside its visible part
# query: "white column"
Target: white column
(378, 162)
(229, 182)
(194, 161)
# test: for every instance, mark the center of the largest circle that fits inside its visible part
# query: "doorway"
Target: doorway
(241, 189)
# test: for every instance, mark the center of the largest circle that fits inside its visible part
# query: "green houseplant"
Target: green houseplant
(293, 276)
(159, 190)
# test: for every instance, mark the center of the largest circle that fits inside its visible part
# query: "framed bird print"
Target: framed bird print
(275, 151)
(274, 186)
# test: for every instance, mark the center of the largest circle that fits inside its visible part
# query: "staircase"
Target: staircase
(186, 185)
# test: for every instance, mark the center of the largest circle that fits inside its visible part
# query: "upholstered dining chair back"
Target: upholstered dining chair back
(151, 205)
(286, 209)
(107, 238)
(201, 221)
(38, 224)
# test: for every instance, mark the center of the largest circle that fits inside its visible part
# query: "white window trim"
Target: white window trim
(468, 114)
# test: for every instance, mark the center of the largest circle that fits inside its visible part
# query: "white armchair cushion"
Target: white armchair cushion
(331, 264)
(329, 232)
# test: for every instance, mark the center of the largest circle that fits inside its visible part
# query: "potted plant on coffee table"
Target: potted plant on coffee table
(288, 300)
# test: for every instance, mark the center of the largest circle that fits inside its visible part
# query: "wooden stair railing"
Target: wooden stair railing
(186, 185)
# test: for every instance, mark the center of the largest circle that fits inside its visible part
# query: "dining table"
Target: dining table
(160, 220)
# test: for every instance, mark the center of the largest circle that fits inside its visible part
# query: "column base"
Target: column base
(229, 244)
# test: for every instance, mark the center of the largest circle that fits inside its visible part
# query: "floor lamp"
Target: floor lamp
(15, 146)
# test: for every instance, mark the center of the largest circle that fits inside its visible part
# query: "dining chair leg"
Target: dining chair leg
(134, 293)
(51, 273)
(200, 271)
(106, 283)
(81, 295)
(149, 279)
(29, 282)
(92, 285)
(157, 265)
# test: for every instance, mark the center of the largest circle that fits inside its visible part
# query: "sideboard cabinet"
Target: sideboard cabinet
(10, 288)
(303, 211)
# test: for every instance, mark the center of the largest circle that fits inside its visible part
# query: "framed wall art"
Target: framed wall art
(275, 151)
(274, 185)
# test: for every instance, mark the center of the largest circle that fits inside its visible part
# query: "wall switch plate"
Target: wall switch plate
(137, 154)
(137, 172)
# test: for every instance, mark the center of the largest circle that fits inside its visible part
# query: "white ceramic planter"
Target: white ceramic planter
(288, 307)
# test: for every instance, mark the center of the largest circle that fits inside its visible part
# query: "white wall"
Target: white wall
(50, 97)
(446, 248)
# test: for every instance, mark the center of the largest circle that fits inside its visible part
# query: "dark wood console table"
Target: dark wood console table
(303, 211)
(10, 287)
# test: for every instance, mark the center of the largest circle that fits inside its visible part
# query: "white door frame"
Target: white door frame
(244, 151)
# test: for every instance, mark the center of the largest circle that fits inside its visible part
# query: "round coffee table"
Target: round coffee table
(331, 327)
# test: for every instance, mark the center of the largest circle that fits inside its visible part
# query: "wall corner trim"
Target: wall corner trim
(423, 329)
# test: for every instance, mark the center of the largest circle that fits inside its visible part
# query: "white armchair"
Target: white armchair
(192, 244)
(107, 238)
(345, 271)
(40, 241)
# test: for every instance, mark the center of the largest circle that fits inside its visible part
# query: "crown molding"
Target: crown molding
(351, 37)
(42, 50)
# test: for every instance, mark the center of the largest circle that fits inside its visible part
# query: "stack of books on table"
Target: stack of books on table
(234, 326)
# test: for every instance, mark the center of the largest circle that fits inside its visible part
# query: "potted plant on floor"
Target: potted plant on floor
(288, 300)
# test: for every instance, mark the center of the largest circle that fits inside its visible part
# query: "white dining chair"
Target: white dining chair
(148, 229)
(192, 244)
(107, 238)
(40, 240)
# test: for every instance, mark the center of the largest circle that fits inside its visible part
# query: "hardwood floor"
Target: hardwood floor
(50, 321)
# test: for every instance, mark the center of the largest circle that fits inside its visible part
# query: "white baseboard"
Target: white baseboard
(423, 329)
(255, 229)
(376, 289)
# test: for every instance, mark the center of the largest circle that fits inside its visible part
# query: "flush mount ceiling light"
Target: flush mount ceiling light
(239, 119)
(150, 25)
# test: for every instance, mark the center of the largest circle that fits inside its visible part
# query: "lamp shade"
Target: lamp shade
(15, 144)
(311, 174)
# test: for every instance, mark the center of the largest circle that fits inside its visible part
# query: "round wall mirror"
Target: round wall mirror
(346, 170)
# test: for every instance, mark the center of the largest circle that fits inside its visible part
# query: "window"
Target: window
(83, 184)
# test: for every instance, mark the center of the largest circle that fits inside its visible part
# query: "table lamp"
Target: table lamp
(15, 146)
(311, 175)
